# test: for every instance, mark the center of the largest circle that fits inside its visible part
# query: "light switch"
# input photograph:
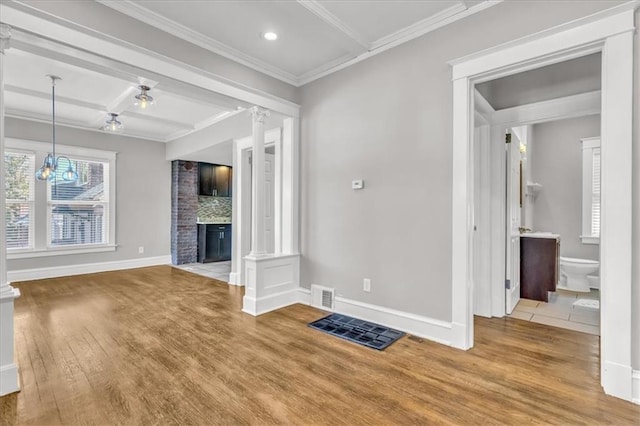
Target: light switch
(357, 184)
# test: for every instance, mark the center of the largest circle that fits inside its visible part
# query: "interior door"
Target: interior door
(269, 220)
(513, 214)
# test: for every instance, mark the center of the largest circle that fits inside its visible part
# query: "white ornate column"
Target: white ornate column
(258, 239)
(8, 368)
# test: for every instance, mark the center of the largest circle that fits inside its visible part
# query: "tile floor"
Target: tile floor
(216, 270)
(560, 312)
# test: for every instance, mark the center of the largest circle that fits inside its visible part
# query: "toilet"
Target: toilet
(574, 273)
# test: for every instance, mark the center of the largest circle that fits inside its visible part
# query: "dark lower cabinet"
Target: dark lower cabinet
(538, 267)
(214, 243)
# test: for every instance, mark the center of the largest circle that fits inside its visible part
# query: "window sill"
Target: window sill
(62, 251)
(588, 239)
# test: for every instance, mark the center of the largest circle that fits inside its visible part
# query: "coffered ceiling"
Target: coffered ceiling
(315, 37)
(87, 93)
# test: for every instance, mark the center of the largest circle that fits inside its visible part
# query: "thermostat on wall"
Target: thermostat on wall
(357, 184)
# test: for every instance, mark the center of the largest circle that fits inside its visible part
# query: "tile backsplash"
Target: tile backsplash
(214, 209)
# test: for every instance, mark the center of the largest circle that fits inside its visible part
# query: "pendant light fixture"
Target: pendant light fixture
(143, 99)
(112, 124)
(51, 164)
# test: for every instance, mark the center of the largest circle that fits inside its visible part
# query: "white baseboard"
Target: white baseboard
(270, 303)
(9, 379)
(617, 380)
(85, 268)
(234, 278)
(425, 327)
(635, 378)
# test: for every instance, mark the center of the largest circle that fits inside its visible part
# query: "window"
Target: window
(19, 184)
(590, 191)
(58, 217)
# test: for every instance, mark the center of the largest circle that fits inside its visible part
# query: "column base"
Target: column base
(8, 369)
(272, 282)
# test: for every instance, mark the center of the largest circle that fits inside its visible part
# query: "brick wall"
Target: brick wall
(184, 207)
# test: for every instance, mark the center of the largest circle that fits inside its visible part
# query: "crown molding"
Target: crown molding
(321, 12)
(142, 14)
(399, 37)
(449, 15)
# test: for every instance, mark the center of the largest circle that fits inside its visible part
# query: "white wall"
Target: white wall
(143, 193)
(556, 164)
(388, 120)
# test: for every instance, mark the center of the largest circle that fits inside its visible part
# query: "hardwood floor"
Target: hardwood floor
(163, 346)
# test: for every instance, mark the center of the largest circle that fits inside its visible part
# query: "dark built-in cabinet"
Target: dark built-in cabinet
(214, 242)
(539, 264)
(215, 180)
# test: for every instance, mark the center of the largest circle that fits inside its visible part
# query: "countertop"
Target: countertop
(540, 235)
(214, 222)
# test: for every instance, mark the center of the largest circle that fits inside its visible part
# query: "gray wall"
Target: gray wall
(568, 78)
(108, 21)
(556, 164)
(143, 193)
(388, 120)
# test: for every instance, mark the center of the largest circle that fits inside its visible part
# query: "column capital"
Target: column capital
(5, 36)
(259, 114)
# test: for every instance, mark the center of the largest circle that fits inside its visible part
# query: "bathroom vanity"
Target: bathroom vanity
(539, 263)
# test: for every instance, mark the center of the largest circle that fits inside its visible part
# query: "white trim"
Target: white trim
(183, 32)
(48, 26)
(9, 381)
(86, 268)
(321, 12)
(582, 32)
(262, 305)
(60, 251)
(428, 328)
(554, 109)
(588, 239)
(447, 16)
(76, 151)
(612, 32)
(388, 42)
(635, 377)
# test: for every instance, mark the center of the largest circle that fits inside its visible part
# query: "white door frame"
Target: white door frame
(610, 32)
(242, 200)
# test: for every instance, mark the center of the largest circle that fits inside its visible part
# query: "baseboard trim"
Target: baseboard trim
(617, 380)
(85, 268)
(9, 379)
(262, 305)
(421, 326)
(635, 378)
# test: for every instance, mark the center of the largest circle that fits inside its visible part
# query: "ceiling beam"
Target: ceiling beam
(325, 15)
(47, 96)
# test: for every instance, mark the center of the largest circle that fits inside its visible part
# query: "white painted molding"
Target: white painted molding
(611, 32)
(85, 268)
(258, 306)
(169, 26)
(428, 328)
(381, 45)
(553, 109)
(321, 12)
(451, 14)
(589, 29)
(46, 25)
(9, 381)
(635, 377)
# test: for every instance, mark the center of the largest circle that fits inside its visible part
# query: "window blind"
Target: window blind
(78, 210)
(19, 187)
(595, 193)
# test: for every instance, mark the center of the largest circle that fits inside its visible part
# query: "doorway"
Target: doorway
(612, 34)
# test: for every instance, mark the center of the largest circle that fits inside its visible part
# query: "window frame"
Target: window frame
(31, 202)
(589, 145)
(42, 243)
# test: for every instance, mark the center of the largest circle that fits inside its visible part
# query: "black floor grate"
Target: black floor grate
(358, 331)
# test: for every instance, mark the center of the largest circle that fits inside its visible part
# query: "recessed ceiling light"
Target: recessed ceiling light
(271, 36)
